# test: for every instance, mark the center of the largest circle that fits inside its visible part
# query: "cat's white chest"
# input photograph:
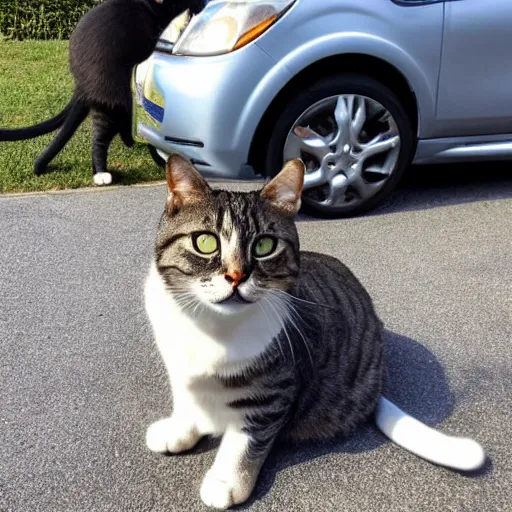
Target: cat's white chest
(205, 344)
(196, 349)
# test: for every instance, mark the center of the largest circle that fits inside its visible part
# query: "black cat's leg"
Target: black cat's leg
(105, 128)
(126, 125)
(75, 118)
(124, 113)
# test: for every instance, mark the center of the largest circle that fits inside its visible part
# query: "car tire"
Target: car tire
(370, 93)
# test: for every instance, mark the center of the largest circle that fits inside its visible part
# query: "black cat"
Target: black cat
(103, 49)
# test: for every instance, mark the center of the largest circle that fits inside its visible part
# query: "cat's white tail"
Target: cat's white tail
(454, 452)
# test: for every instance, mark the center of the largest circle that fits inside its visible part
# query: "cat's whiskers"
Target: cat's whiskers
(186, 300)
(262, 306)
(294, 322)
(178, 290)
(187, 304)
(277, 310)
(290, 313)
(198, 305)
(291, 297)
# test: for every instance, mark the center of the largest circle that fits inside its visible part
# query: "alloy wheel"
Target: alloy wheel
(350, 145)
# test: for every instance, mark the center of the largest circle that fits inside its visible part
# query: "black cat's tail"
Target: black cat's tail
(74, 119)
(36, 130)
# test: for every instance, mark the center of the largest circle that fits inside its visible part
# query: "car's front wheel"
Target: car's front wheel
(355, 138)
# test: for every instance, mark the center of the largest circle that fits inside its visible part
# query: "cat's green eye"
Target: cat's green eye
(265, 246)
(206, 243)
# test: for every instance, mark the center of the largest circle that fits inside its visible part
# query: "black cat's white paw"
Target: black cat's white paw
(102, 178)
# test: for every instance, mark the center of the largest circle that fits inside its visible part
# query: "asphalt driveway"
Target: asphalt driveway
(80, 378)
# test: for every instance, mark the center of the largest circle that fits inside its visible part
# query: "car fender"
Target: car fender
(329, 46)
(407, 38)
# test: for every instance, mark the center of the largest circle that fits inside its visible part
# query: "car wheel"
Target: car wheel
(156, 156)
(355, 138)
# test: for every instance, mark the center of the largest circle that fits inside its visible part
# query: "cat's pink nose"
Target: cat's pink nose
(234, 277)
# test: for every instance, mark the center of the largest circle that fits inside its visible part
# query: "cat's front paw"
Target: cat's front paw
(223, 491)
(171, 435)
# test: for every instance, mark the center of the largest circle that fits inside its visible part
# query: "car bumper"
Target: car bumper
(206, 108)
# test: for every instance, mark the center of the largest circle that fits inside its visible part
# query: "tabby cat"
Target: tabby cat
(106, 44)
(263, 342)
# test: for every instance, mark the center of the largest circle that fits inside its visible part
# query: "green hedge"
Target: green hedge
(41, 19)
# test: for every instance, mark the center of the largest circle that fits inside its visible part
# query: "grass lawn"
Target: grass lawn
(35, 85)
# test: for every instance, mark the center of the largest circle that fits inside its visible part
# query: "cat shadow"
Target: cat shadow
(132, 175)
(136, 174)
(415, 381)
(58, 168)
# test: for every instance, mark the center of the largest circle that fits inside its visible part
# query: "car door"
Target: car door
(475, 85)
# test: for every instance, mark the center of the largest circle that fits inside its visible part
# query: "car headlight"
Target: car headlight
(224, 26)
(171, 34)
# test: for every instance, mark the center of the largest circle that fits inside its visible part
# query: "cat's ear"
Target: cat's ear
(184, 183)
(285, 190)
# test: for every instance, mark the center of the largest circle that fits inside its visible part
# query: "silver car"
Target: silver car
(358, 89)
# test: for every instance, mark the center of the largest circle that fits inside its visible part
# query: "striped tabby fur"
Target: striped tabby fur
(257, 348)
